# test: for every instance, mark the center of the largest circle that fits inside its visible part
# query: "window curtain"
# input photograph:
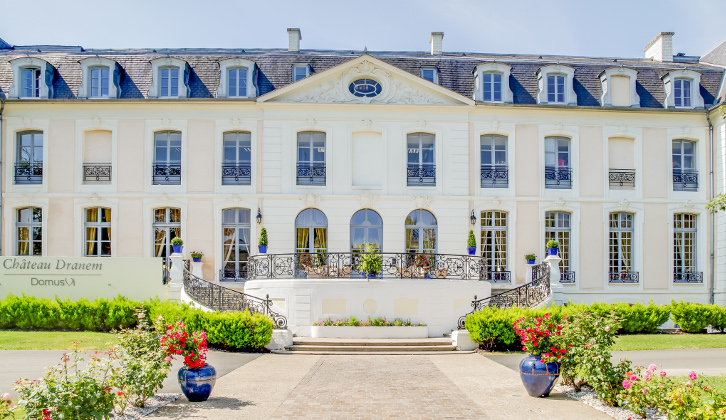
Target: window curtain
(321, 239)
(91, 241)
(160, 242)
(303, 240)
(230, 239)
(500, 252)
(23, 241)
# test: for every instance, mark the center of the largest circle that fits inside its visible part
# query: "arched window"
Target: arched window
(421, 232)
(557, 227)
(311, 232)
(366, 227)
(235, 243)
(98, 232)
(167, 226)
(29, 227)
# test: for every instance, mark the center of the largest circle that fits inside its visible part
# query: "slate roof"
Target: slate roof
(275, 68)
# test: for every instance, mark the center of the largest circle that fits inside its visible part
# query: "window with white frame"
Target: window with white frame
(558, 168)
(366, 228)
(237, 82)
(430, 74)
(685, 232)
(421, 232)
(311, 232)
(311, 158)
(682, 93)
(171, 78)
(236, 167)
(300, 71)
(555, 85)
(29, 227)
(621, 248)
(682, 89)
(492, 87)
(167, 158)
(556, 88)
(32, 78)
(167, 226)
(237, 78)
(29, 158)
(685, 174)
(421, 169)
(558, 228)
(235, 243)
(98, 232)
(494, 241)
(31, 82)
(491, 83)
(494, 166)
(169, 82)
(100, 79)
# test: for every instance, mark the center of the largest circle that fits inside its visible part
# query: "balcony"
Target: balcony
(311, 174)
(96, 173)
(236, 174)
(685, 180)
(421, 175)
(29, 173)
(560, 177)
(494, 176)
(623, 178)
(166, 174)
(567, 277)
(624, 277)
(500, 276)
(688, 277)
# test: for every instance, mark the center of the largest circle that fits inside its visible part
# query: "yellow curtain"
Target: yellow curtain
(230, 236)
(499, 251)
(23, 240)
(303, 240)
(409, 240)
(91, 241)
(321, 239)
(159, 242)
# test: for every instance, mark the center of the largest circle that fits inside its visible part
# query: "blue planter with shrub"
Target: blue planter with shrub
(197, 383)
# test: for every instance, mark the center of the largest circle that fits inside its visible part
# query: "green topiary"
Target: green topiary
(177, 241)
(471, 240)
(263, 237)
(553, 244)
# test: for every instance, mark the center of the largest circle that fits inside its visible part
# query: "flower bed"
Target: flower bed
(320, 331)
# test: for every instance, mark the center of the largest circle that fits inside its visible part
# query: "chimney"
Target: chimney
(436, 41)
(661, 47)
(295, 36)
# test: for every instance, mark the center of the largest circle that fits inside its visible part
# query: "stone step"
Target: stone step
(373, 353)
(366, 349)
(371, 341)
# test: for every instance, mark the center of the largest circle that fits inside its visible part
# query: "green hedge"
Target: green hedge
(492, 327)
(226, 330)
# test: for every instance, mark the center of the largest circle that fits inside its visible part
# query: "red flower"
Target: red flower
(46, 412)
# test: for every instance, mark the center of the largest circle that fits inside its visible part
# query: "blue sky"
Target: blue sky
(619, 28)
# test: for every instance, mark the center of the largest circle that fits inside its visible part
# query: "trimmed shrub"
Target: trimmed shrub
(691, 317)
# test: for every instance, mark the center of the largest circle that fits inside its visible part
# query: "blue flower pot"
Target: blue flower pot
(197, 259)
(530, 261)
(262, 249)
(197, 383)
(551, 251)
(538, 378)
(177, 249)
(471, 250)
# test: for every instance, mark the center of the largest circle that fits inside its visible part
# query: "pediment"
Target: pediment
(397, 86)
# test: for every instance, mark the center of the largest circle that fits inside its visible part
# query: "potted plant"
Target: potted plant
(552, 247)
(262, 243)
(471, 243)
(530, 258)
(540, 338)
(196, 377)
(197, 256)
(177, 245)
(371, 262)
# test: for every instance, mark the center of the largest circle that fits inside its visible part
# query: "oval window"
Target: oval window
(365, 88)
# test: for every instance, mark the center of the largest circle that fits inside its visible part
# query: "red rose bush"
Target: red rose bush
(193, 348)
(540, 337)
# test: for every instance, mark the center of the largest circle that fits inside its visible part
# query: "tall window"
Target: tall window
(310, 158)
(494, 168)
(492, 85)
(29, 231)
(237, 83)
(167, 158)
(99, 82)
(682, 92)
(621, 248)
(430, 74)
(300, 71)
(311, 227)
(31, 83)
(29, 158)
(494, 243)
(167, 226)
(558, 172)
(421, 232)
(685, 175)
(170, 82)
(685, 230)
(556, 88)
(236, 168)
(557, 227)
(366, 227)
(235, 243)
(98, 232)
(421, 169)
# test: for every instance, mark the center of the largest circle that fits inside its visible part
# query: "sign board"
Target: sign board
(76, 278)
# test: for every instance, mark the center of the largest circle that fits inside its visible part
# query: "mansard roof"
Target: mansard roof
(275, 66)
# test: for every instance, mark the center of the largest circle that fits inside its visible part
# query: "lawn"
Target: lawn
(54, 340)
(669, 341)
(716, 381)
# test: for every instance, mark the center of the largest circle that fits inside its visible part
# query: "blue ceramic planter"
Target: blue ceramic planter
(262, 249)
(177, 248)
(538, 378)
(551, 251)
(471, 250)
(197, 383)
(197, 259)
(530, 261)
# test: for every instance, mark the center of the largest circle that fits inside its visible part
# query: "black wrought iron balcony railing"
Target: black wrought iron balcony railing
(567, 277)
(622, 177)
(96, 172)
(236, 174)
(421, 175)
(688, 277)
(500, 276)
(559, 177)
(344, 265)
(29, 173)
(494, 176)
(685, 180)
(311, 174)
(233, 275)
(166, 174)
(624, 277)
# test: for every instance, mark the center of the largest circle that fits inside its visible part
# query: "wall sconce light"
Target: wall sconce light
(259, 217)
(472, 218)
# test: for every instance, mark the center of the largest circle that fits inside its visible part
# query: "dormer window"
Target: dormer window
(682, 89)
(32, 78)
(430, 74)
(237, 79)
(300, 71)
(171, 78)
(554, 85)
(491, 82)
(618, 87)
(101, 78)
